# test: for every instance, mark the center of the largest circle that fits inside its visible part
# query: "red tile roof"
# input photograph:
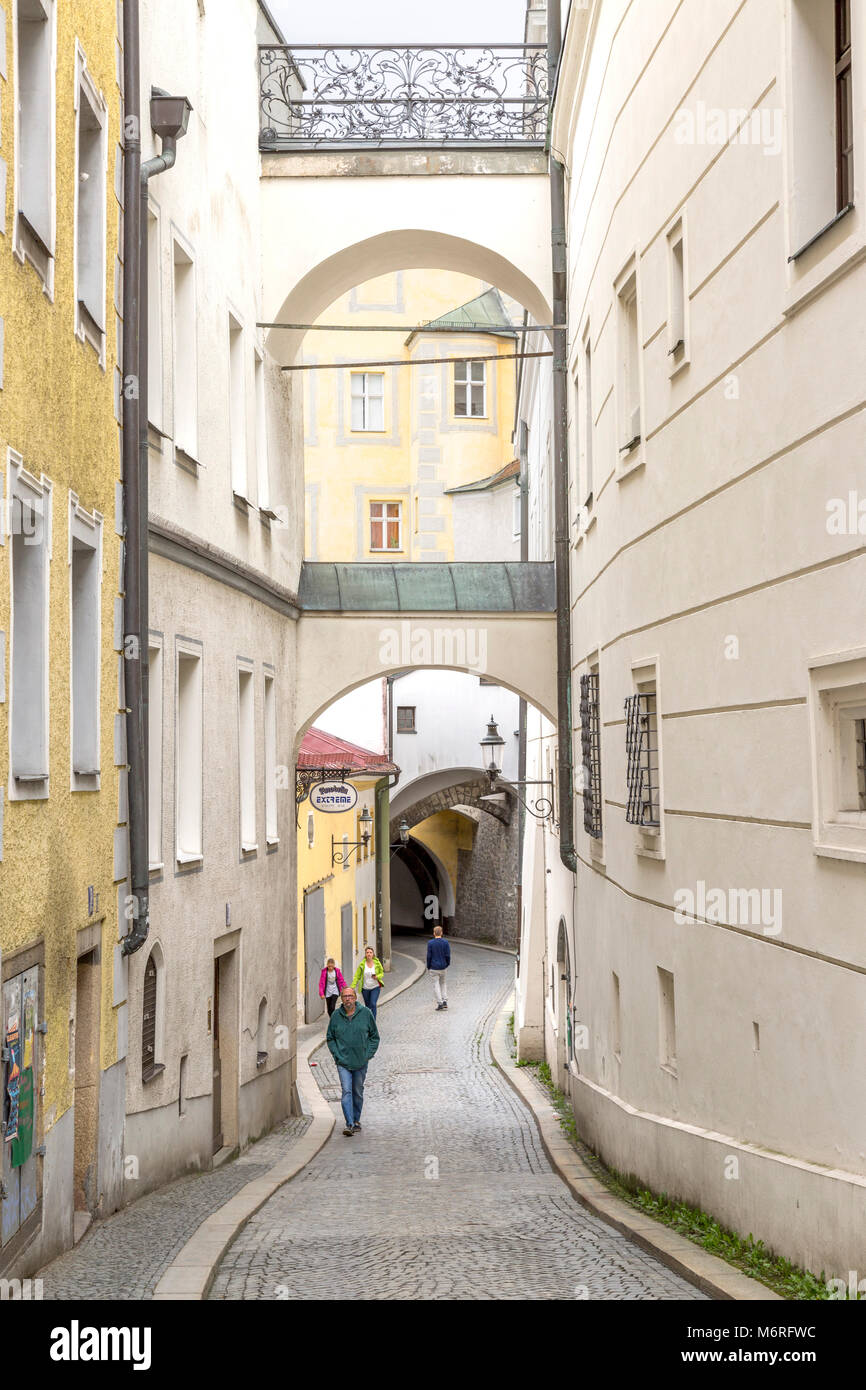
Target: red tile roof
(320, 749)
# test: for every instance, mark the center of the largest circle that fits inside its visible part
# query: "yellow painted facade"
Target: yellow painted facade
(405, 453)
(353, 882)
(446, 834)
(58, 417)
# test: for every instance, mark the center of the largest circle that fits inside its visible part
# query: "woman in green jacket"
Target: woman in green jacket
(369, 979)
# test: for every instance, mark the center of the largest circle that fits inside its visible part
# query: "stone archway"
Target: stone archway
(463, 793)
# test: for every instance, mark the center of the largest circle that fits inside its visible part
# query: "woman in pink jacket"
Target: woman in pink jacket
(330, 983)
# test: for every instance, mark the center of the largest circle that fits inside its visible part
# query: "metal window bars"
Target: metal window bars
(590, 745)
(860, 759)
(394, 95)
(641, 742)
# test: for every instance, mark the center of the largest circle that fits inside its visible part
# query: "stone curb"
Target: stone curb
(707, 1272)
(193, 1269)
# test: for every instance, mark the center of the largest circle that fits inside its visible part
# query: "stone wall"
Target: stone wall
(487, 885)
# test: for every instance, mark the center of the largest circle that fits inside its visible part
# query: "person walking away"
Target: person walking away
(369, 979)
(352, 1041)
(438, 961)
(330, 983)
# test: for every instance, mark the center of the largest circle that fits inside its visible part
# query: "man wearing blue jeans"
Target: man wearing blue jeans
(352, 1041)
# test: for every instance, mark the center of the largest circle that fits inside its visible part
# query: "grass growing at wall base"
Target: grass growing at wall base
(748, 1255)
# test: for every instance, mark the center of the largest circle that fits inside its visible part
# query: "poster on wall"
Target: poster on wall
(13, 1076)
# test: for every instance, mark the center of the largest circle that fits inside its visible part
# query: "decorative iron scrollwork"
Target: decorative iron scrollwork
(493, 94)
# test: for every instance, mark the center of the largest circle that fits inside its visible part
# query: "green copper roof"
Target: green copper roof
(486, 312)
(469, 587)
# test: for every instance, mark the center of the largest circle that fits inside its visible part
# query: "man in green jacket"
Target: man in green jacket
(352, 1040)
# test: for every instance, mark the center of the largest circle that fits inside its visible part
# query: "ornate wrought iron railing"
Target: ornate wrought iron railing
(424, 96)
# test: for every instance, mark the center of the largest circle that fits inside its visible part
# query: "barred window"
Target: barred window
(590, 754)
(860, 747)
(642, 751)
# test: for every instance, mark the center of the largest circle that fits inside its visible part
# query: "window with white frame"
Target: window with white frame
(30, 524)
(263, 480)
(271, 761)
(677, 315)
(154, 322)
(247, 759)
(185, 354)
(821, 121)
(85, 564)
(838, 718)
(90, 213)
(667, 1021)
(237, 410)
(386, 525)
(643, 761)
(516, 514)
(470, 389)
(189, 736)
(628, 363)
(588, 421)
(35, 41)
(368, 401)
(154, 752)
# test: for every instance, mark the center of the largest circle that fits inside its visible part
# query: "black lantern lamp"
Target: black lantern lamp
(350, 847)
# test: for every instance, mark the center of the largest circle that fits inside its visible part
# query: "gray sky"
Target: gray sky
(401, 21)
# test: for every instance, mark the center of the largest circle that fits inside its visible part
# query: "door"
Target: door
(217, 1065)
(87, 1003)
(19, 1094)
(314, 952)
(347, 945)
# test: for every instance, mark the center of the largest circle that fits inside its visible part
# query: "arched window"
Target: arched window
(151, 1017)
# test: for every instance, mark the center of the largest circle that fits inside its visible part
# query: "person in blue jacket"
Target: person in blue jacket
(438, 961)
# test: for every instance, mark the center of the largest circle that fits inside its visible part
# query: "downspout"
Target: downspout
(559, 259)
(383, 870)
(135, 473)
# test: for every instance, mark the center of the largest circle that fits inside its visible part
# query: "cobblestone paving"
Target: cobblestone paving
(447, 1192)
(125, 1256)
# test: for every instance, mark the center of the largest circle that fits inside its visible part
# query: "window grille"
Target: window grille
(641, 741)
(860, 746)
(844, 108)
(148, 1021)
(591, 754)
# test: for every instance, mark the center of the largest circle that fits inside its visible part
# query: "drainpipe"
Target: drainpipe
(565, 767)
(169, 117)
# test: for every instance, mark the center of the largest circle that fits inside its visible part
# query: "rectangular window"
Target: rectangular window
(368, 401)
(676, 297)
(154, 323)
(84, 580)
(838, 719)
(189, 759)
(667, 1021)
(386, 525)
(642, 746)
(185, 355)
(588, 420)
(237, 410)
(516, 514)
(262, 472)
(590, 743)
(90, 213)
(628, 365)
(30, 525)
(406, 719)
(860, 761)
(35, 42)
(470, 389)
(844, 108)
(271, 761)
(345, 854)
(154, 755)
(820, 117)
(247, 759)
(616, 1011)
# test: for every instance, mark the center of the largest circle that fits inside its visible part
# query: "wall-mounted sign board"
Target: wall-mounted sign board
(333, 796)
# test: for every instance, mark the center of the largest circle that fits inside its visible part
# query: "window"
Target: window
(516, 514)
(365, 924)
(406, 719)
(30, 500)
(84, 584)
(368, 401)
(311, 829)
(151, 1017)
(345, 854)
(677, 349)
(237, 410)
(188, 760)
(643, 752)
(185, 355)
(590, 744)
(667, 1021)
(154, 323)
(35, 135)
(844, 108)
(90, 211)
(262, 472)
(588, 420)
(470, 389)
(616, 1020)
(154, 754)
(247, 760)
(270, 762)
(182, 1084)
(386, 525)
(262, 1034)
(838, 718)
(628, 364)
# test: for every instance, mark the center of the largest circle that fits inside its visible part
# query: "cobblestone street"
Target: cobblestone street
(447, 1192)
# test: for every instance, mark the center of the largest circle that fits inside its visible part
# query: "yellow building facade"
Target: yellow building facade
(384, 443)
(61, 732)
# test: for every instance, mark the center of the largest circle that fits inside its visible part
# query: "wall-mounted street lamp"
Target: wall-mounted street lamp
(403, 837)
(350, 847)
(492, 755)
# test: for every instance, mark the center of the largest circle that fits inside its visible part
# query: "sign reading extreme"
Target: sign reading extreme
(333, 796)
